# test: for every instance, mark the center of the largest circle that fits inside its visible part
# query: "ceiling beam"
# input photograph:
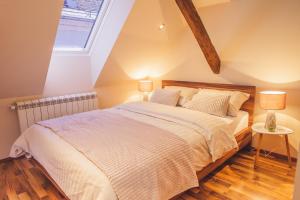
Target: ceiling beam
(192, 17)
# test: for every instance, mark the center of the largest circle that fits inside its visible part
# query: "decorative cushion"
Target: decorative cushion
(186, 93)
(237, 99)
(164, 96)
(211, 103)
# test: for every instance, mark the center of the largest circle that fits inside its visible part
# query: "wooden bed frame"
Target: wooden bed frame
(243, 138)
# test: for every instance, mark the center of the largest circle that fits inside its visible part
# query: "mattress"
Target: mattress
(79, 178)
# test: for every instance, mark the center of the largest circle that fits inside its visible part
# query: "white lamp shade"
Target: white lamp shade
(145, 86)
(273, 100)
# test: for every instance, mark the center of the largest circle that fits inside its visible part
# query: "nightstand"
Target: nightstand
(259, 128)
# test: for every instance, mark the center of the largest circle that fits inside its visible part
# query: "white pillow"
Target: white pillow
(186, 93)
(211, 103)
(164, 96)
(237, 99)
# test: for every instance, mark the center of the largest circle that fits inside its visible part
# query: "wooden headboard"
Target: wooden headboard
(248, 106)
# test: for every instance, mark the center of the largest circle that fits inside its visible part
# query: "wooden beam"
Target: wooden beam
(193, 19)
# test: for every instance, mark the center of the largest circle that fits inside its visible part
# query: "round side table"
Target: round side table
(259, 128)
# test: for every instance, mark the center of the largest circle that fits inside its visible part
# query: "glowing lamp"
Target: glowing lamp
(271, 101)
(145, 86)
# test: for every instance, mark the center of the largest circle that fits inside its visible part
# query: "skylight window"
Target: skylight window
(76, 24)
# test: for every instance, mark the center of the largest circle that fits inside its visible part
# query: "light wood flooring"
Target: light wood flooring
(22, 179)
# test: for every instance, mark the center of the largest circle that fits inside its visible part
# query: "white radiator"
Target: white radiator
(36, 110)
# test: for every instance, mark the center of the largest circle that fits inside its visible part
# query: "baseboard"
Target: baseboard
(5, 159)
(275, 155)
(280, 156)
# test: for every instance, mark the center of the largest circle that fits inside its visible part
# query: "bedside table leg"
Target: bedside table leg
(288, 150)
(258, 149)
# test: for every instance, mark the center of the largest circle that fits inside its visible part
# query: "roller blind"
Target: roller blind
(77, 22)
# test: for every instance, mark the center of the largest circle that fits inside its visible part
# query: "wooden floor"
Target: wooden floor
(22, 179)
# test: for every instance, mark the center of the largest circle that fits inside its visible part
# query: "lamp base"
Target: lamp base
(270, 123)
(145, 96)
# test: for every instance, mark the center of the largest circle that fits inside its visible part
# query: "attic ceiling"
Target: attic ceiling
(192, 17)
(28, 31)
(205, 3)
(142, 49)
(154, 12)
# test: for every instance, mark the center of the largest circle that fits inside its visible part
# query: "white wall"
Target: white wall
(27, 34)
(297, 180)
(9, 127)
(108, 33)
(68, 73)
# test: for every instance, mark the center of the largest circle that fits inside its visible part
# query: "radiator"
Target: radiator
(32, 111)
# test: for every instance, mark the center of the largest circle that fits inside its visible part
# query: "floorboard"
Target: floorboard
(22, 179)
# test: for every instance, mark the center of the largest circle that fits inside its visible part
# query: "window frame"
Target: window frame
(96, 28)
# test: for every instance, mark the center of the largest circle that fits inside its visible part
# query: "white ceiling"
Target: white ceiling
(28, 30)
(205, 3)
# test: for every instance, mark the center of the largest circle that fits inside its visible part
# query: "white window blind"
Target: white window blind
(77, 21)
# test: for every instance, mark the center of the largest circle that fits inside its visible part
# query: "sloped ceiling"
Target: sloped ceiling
(141, 44)
(28, 30)
(205, 3)
(141, 40)
(108, 33)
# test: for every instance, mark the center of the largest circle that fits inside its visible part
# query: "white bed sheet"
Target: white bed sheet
(79, 178)
(238, 123)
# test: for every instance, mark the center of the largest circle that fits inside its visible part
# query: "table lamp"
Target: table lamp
(271, 101)
(145, 86)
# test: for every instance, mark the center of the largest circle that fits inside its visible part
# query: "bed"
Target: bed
(243, 136)
(78, 177)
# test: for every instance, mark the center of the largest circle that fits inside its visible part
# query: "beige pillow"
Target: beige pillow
(237, 99)
(164, 96)
(186, 93)
(211, 103)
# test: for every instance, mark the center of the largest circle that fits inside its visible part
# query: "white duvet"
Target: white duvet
(208, 135)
